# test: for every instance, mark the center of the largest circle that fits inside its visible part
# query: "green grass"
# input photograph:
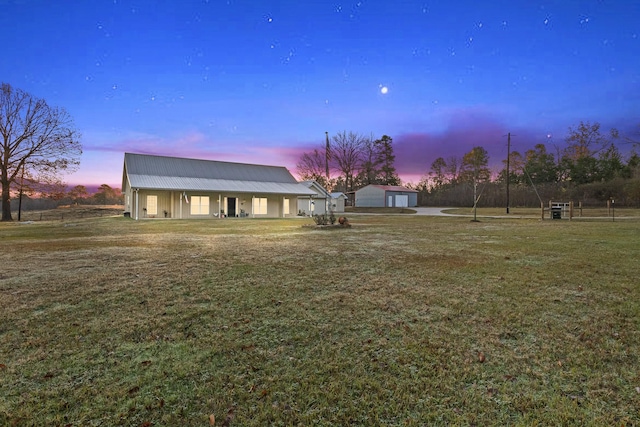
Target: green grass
(601, 213)
(398, 320)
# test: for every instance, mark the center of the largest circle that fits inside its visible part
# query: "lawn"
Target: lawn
(399, 320)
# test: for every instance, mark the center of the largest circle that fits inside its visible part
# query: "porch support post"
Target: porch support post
(137, 202)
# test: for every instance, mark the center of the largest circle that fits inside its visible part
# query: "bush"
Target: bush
(320, 219)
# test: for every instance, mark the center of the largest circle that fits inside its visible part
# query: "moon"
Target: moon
(384, 90)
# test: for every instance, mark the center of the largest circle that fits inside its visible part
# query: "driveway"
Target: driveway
(432, 211)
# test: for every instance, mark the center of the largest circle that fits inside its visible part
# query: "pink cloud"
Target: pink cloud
(415, 151)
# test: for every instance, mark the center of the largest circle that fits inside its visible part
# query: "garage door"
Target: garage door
(402, 201)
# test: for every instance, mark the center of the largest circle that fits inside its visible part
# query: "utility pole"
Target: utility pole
(20, 194)
(327, 154)
(475, 199)
(508, 159)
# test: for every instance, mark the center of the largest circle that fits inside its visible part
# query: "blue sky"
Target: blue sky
(261, 82)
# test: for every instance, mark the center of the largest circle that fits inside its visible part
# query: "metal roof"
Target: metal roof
(176, 173)
(394, 188)
(316, 187)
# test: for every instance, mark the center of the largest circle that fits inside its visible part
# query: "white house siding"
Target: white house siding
(312, 206)
(177, 207)
(338, 203)
(315, 204)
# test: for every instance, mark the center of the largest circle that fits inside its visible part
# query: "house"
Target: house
(386, 196)
(174, 187)
(315, 204)
(338, 201)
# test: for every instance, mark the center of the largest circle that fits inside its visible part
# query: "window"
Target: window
(199, 205)
(152, 205)
(260, 206)
(286, 207)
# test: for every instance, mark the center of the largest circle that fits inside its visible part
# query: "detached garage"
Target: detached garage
(386, 196)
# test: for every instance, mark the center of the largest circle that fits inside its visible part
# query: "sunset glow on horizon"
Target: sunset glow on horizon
(262, 82)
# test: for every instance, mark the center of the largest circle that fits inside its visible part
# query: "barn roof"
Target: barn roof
(394, 188)
(177, 173)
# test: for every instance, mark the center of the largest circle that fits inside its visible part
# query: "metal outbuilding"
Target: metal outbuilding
(380, 196)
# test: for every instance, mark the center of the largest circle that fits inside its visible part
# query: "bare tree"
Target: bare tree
(312, 166)
(35, 137)
(369, 164)
(346, 152)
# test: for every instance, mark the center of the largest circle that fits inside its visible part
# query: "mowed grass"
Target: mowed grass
(398, 320)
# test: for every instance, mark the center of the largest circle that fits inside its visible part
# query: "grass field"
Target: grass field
(399, 320)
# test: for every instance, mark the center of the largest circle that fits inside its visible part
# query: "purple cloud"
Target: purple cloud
(465, 129)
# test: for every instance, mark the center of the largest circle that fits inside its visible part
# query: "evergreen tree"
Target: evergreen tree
(386, 160)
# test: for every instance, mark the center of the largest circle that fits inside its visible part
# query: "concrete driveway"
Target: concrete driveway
(432, 211)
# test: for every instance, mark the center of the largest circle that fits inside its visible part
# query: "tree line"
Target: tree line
(63, 196)
(589, 168)
(350, 161)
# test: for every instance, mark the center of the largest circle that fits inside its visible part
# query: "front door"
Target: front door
(231, 206)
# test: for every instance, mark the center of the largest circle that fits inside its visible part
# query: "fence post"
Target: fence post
(542, 211)
(570, 210)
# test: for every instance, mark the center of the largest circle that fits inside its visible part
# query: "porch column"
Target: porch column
(137, 202)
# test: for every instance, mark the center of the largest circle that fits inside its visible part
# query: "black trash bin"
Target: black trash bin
(556, 213)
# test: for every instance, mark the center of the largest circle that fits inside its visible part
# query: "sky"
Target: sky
(262, 81)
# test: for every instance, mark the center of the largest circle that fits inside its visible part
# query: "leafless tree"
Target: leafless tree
(346, 153)
(312, 166)
(36, 138)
